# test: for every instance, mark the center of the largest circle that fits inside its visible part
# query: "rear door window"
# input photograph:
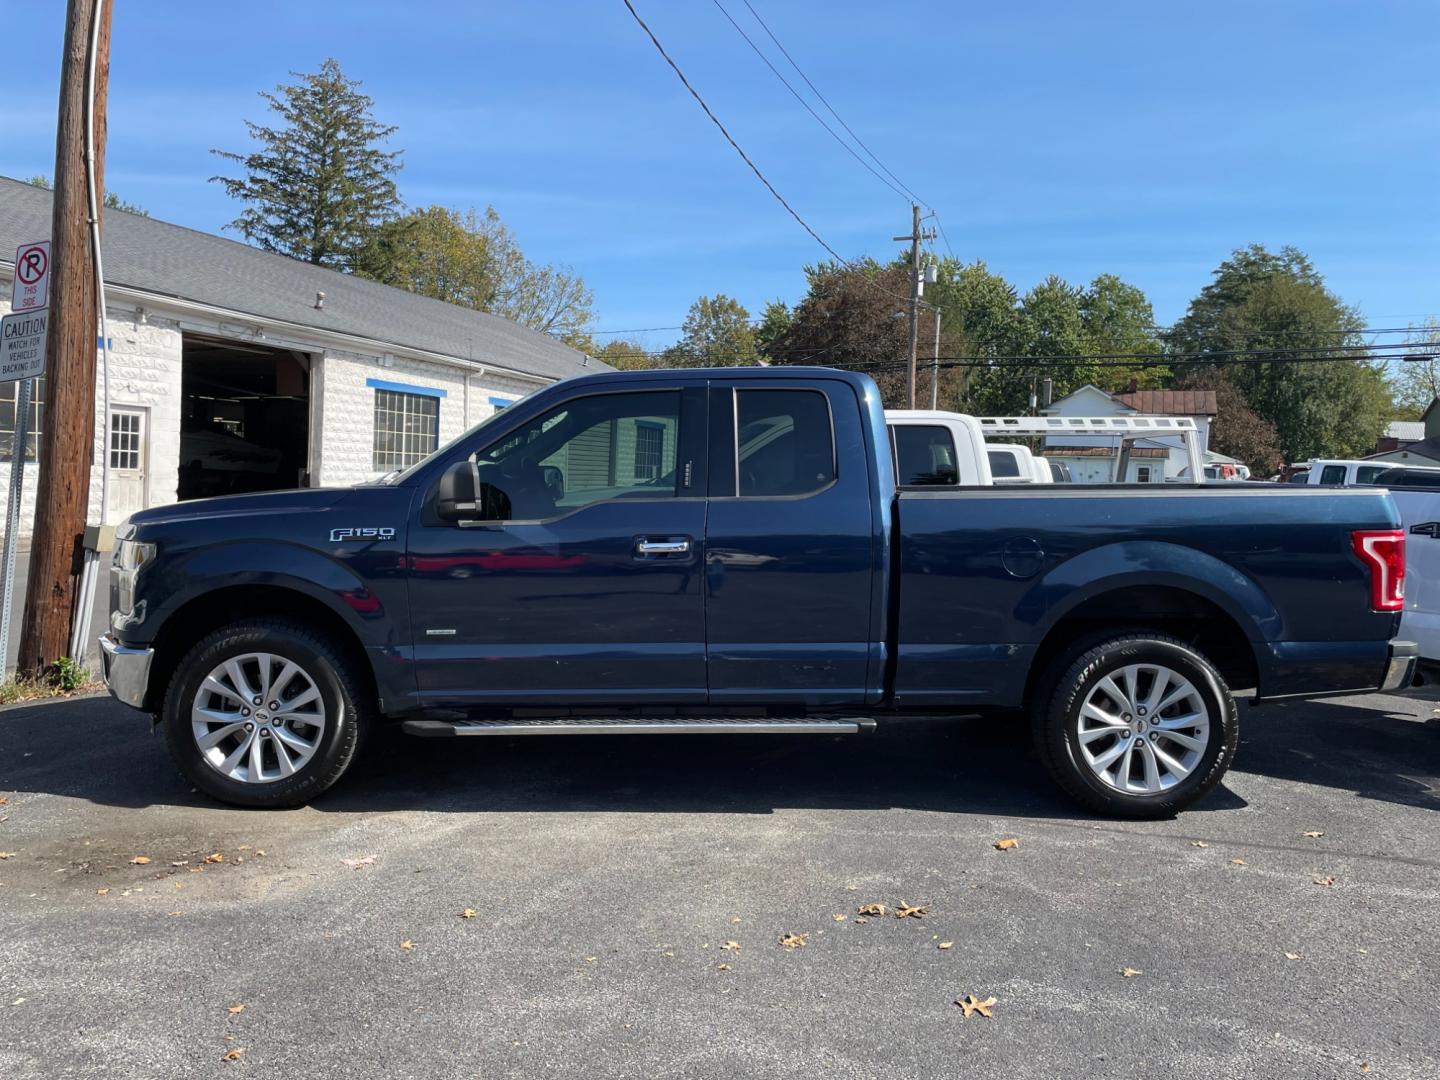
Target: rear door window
(1003, 464)
(924, 456)
(1332, 474)
(785, 443)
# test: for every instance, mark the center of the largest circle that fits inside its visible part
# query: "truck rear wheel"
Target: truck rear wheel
(1138, 725)
(265, 713)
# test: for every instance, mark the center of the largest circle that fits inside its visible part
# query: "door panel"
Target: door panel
(789, 547)
(129, 461)
(589, 589)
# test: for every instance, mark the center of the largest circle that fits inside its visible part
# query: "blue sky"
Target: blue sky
(1142, 139)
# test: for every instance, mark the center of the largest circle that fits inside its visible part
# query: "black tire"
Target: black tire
(1063, 692)
(348, 707)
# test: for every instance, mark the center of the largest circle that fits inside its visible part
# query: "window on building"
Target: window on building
(1142, 474)
(407, 428)
(786, 443)
(125, 440)
(649, 449)
(9, 394)
(924, 455)
(592, 449)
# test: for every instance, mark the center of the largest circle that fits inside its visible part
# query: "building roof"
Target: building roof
(1425, 448)
(1405, 430)
(168, 260)
(1170, 402)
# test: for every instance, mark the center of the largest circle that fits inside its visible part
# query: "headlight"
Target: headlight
(125, 564)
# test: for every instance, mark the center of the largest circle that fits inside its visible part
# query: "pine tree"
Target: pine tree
(319, 184)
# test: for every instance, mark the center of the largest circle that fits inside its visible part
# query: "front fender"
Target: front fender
(330, 581)
(1149, 564)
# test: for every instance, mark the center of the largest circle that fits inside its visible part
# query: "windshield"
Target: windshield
(399, 477)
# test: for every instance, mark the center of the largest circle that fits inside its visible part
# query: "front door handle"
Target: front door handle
(670, 546)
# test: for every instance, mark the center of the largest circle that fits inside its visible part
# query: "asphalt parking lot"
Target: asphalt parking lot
(605, 877)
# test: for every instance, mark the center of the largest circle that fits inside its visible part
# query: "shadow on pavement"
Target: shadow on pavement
(97, 750)
(1383, 748)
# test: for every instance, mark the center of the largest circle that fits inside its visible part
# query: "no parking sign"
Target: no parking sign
(32, 276)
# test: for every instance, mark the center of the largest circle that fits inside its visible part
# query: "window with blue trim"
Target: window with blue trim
(407, 428)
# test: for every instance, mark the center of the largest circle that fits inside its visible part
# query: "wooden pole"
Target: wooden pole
(66, 443)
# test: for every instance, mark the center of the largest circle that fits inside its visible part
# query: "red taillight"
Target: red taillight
(1383, 551)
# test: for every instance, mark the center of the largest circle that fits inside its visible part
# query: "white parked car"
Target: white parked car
(1347, 471)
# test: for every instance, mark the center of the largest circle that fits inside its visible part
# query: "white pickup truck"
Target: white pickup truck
(936, 448)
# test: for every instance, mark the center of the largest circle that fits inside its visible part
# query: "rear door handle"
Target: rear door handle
(670, 546)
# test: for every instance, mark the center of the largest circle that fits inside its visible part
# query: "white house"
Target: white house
(1091, 457)
(233, 369)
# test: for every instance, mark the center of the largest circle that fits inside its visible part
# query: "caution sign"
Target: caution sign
(22, 345)
(32, 277)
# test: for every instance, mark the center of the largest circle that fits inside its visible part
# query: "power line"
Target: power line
(728, 137)
(796, 94)
(637, 330)
(765, 26)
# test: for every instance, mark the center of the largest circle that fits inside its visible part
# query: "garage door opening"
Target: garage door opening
(245, 418)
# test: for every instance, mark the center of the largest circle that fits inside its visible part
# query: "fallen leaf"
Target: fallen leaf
(1364, 1066)
(591, 959)
(1237, 862)
(468, 913)
(102, 892)
(905, 910)
(175, 914)
(182, 862)
(861, 919)
(1130, 973)
(1292, 956)
(874, 909)
(354, 864)
(217, 857)
(840, 918)
(233, 1054)
(722, 967)
(736, 919)
(971, 1004)
(19, 1001)
(946, 945)
(4, 800)
(141, 860)
(667, 954)
(1313, 835)
(793, 941)
(1324, 881)
(1198, 843)
(233, 1009)
(407, 944)
(731, 946)
(1008, 844)
(258, 852)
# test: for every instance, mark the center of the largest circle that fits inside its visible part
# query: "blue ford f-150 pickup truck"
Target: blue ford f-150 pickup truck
(729, 551)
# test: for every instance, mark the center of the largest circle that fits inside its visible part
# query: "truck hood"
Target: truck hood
(260, 503)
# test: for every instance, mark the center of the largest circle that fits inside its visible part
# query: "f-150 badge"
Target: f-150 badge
(336, 535)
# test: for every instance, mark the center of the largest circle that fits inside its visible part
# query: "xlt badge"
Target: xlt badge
(336, 535)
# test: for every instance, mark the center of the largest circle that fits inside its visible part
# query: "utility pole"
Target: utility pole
(935, 362)
(916, 288)
(66, 444)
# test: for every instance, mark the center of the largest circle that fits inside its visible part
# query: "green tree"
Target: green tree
(774, 322)
(979, 318)
(111, 200)
(319, 184)
(1119, 322)
(624, 355)
(717, 333)
(473, 260)
(1286, 342)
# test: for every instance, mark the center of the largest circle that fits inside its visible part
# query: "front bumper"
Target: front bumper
(1400, 671)
(126, 671)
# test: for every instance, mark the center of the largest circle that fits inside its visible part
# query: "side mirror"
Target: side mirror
(455, 498)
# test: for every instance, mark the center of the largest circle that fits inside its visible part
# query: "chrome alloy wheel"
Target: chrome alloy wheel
(1143, 729)
(258, 718)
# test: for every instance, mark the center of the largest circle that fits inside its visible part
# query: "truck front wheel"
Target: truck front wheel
(1139, 725)
(265, 713)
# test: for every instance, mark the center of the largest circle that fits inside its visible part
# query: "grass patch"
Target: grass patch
(65, 679)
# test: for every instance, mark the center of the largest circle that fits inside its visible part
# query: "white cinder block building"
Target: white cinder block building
(236, 370)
